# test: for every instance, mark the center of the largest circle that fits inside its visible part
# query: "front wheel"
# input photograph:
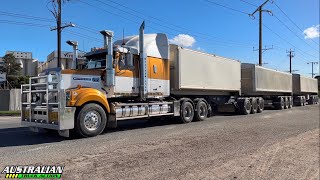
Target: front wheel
(90, 121)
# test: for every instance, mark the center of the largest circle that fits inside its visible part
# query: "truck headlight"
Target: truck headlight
(35, 98)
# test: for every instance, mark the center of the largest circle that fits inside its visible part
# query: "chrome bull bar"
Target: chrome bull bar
(43, 103)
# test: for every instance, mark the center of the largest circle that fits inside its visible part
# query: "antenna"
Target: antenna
(123, 37)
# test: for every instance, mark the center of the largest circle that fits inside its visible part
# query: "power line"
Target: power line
(293, 32)
(192, 32)
(249, 3)
(263, 25)
(24, 23)
(287, 41)
(25, 16)
(47, 26)
(292, 20)
(227, 7)
(208, 37)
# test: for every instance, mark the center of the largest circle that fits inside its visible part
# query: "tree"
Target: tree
(10, 66)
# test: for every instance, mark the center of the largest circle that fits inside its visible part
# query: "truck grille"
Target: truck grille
(40, 101)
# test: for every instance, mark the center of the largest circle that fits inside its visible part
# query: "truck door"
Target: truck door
(156, 76)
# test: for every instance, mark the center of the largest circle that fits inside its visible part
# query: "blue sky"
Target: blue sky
(209, 27)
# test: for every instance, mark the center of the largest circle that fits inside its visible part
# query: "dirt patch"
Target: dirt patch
(200, 157)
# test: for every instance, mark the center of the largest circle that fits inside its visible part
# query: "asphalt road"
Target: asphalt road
(272, 145)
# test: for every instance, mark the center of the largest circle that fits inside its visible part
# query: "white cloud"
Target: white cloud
(200, 49)
(312, 32)
(183, 40)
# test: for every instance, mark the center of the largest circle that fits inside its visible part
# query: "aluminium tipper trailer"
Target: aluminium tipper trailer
(305, 89)
(216, 80)
(275, 87)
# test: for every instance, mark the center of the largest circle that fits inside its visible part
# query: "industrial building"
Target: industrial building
(28, 64)
(66, 60)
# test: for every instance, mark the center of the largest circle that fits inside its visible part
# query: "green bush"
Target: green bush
(17, 81)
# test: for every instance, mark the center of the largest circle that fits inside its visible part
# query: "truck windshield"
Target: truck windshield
(95, 64)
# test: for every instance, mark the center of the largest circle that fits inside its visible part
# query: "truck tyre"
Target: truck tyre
(280, 105)
(290, 102)
(260, 105)
(254, 106)
(90, 121)
(202, 111)
(311, 100)
(300, 101)
(286, 103)
(187, 112)
(244, 106)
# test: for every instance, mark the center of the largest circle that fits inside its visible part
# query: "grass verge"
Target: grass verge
(10, 113)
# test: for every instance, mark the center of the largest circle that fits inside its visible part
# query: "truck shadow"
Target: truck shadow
(143, 123)
(21, 136)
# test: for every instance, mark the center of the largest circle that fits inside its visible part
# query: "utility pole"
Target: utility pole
(312, 63)
(57, 14)
(59, 32)
(291, 55)
(260, 27)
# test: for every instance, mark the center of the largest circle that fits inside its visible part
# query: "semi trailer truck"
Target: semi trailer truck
(143, 77)
(305, 90)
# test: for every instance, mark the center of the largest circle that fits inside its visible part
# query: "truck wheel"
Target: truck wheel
(280, 105)
(260, 105)
(303, 101)
(187, 112)
(254, 106)
(244, 106)
(90, 121)
(286, 103)
(311, 100)
(202, 111)
(300, 101)
(290, 100)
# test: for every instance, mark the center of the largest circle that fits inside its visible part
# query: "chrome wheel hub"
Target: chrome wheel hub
(92, 121)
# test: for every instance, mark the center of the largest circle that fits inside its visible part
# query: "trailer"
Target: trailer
(305, 90)
(275, 87)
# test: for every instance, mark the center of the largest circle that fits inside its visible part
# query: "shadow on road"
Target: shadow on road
(143, 123)
(21, 136)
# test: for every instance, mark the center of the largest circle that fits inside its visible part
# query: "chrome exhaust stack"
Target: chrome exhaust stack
(110, 72)
(74, 44)
(143, 65)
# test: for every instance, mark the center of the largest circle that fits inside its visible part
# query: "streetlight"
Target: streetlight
(59, 28)
(74, 44)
